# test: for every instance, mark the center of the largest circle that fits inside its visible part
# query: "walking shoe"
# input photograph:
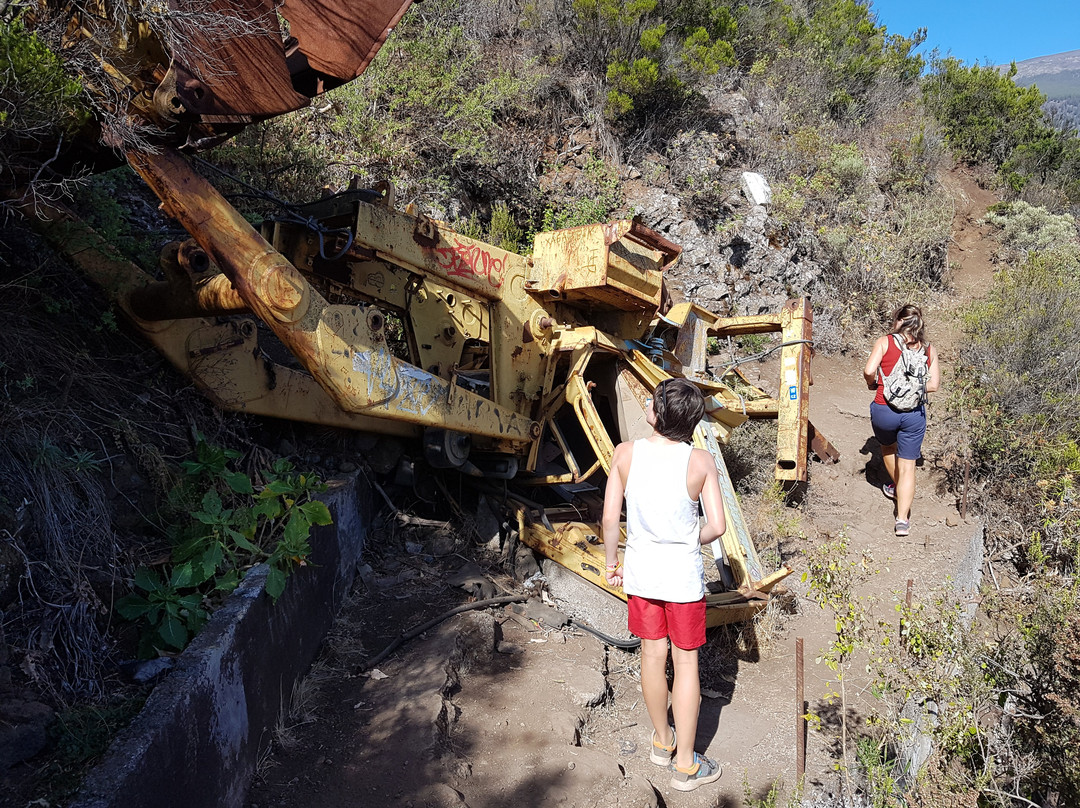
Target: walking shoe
(902, 527)
(660, 754)
(889, 490)
(703, 771)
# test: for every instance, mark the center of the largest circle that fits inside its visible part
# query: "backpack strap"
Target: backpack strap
(899, 347)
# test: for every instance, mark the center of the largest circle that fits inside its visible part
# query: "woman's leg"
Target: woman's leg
(888, 458)
(685, 702)
(654, 686)
(905, 486)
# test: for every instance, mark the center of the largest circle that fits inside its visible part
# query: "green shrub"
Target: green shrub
(594, 202)
(429, 114)
(1016, 386)
(649, 51)
(220, 526)
(41, 108)
(988, 118)
(1024, 227)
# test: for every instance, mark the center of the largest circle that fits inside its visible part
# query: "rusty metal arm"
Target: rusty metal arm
(221, 358)
(343, 347)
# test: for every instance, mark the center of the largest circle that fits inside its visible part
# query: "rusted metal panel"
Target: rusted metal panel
(341, 37)
(431, 248)
(820, 445)
(228, 61)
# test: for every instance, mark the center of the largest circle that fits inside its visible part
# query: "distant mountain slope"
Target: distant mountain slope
(1058, 77)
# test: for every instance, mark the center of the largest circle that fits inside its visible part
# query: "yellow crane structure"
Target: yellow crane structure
(511, 367)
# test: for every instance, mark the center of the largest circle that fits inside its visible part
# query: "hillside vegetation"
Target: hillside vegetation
(1058, 78)
(509, 117)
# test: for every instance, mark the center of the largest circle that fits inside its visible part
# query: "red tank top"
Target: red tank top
(888, 362)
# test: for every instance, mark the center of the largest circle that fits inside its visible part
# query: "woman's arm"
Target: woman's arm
(613, 504)
(934, 382)
(874, 362)
(711, 499)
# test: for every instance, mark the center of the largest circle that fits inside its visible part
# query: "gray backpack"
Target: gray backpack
(905, 387)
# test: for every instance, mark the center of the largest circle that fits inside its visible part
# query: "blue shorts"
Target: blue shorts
(905, 429)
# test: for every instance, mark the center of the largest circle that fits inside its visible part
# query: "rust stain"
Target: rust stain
(339, 38)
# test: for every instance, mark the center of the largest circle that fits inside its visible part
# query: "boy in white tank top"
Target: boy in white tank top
(662, 481)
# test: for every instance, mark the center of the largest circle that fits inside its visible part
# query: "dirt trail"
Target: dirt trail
(557, 719)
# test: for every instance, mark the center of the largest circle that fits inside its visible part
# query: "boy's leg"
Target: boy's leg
(654, 687)
(685, 701)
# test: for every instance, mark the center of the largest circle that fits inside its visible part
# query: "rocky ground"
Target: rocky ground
(494, 709)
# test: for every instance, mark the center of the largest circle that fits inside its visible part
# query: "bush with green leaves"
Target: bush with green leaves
(988, 118)
(220, 525)
(1025, 227)
(651, 51)
(40, 107)
(875, 248)
(599, 194)
(828, 60)
(984, 113)
(1018, 391)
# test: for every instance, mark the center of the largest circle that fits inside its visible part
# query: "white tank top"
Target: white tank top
(663, 554)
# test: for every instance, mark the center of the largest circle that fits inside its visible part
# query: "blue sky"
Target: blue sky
(990, 31)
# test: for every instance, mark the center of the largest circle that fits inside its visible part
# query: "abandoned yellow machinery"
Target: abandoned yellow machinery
(523, 368)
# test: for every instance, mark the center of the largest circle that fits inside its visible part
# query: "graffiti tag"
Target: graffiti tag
(468, 260)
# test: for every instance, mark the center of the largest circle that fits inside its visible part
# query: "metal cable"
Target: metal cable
(290, 211)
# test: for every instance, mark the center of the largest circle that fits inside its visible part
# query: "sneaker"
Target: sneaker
(661, 755)
(889, 490)
(902, 527)
(704, 771)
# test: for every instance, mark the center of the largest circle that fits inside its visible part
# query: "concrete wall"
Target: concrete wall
(197, 740)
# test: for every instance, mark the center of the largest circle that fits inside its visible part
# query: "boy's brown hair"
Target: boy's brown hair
(679, 406)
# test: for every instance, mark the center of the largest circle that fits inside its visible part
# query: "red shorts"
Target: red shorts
(653, 619)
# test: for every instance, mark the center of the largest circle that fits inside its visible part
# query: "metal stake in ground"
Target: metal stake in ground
(800, 716)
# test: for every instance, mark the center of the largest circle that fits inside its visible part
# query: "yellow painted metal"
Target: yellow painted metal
(577, 395)
(735, 326)
(791, 440)
(442, 320)
(769, 582)
(762, 407)
(735, 546)
(220, 357)
(721, 407)
(618, 264)
(574, 545)
(577, 547)
(343, 346)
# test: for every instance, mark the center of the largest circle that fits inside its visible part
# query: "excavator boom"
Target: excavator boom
(506, 366)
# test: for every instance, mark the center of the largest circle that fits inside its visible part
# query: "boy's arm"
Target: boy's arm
(712, 500)
(613, 504)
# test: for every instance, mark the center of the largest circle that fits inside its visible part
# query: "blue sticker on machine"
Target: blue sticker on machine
(793, 392)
